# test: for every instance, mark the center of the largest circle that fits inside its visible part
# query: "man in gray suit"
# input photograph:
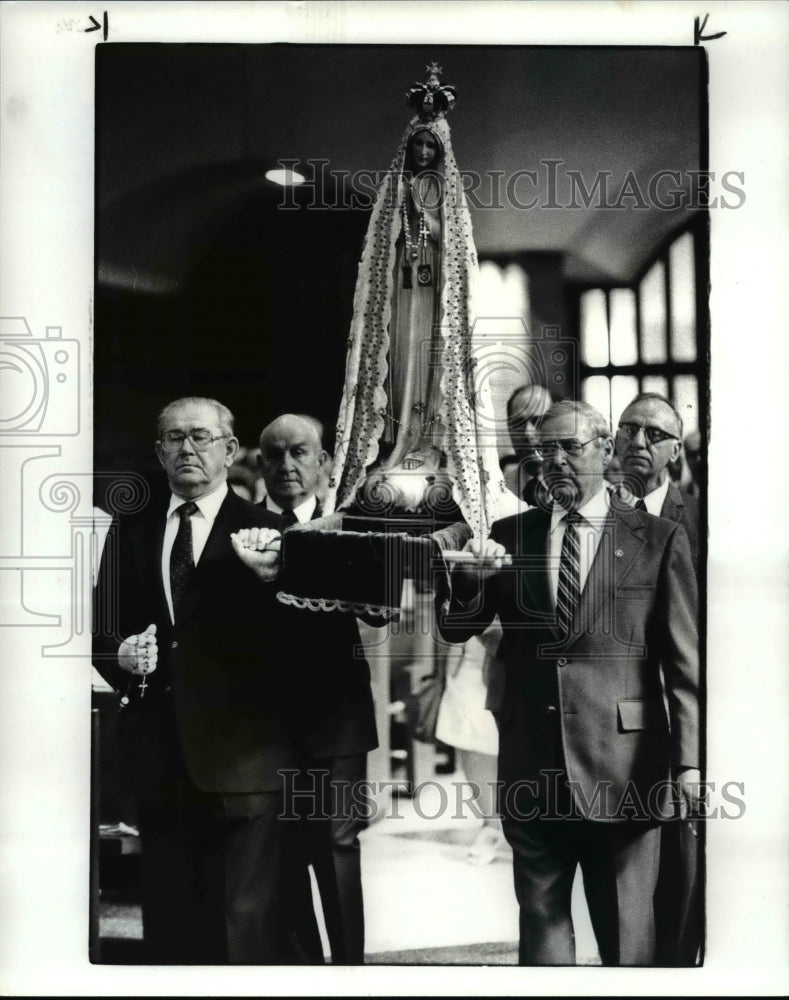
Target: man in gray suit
(648, 440)
(598, 609)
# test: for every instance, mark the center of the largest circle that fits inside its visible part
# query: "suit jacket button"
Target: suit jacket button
(551, 709)
(561, 662)
(174, 644)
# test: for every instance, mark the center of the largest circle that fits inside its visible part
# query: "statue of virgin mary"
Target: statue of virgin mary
(408, 431)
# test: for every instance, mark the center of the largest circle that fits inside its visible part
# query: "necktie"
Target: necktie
(182, 558)
(568, 592)
(629, 499)
(286, 519)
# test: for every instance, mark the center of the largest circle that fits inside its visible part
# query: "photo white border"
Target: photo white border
(46, 248)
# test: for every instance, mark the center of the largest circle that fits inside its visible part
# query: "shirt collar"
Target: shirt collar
(654, 501)
(303, 512)
(208, 505)
(594, 511)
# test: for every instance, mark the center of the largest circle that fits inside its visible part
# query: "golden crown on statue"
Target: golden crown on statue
(431, 99)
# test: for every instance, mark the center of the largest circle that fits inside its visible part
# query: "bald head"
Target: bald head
(649, 439)
(292, 458)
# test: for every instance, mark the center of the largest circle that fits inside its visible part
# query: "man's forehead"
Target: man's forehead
(563, 425)
(281, 442)
(191, 415)
(650, 410)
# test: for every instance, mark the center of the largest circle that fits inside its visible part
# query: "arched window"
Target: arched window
(645, 337)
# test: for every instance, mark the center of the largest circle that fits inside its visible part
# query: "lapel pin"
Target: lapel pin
(619, 553)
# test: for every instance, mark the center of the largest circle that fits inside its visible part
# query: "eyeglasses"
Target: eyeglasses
(570, 446)
(200, 438)
(653, 434)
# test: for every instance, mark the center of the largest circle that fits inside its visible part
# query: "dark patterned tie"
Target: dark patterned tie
(568, 592)
(286, 519)
(182, 558)
(629, 499)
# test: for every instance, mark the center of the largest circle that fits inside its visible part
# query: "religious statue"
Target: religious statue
(408, 437)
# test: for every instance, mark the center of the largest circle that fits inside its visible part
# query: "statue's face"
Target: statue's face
(424, 149)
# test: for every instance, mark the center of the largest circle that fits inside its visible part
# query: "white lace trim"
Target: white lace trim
(360, 423)
(329, 604)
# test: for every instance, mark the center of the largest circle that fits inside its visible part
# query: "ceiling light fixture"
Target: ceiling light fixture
(285, 177)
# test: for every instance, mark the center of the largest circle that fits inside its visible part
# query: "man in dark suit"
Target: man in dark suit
(648, 440)
(333, 711)
(598, 610)
(178, 629)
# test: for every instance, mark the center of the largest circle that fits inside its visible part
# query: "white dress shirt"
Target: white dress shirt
(654, 501)
(303, 512)
(594, 513)
(202, 522)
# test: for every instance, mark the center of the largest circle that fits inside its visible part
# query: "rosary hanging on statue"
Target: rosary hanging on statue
(424, 272)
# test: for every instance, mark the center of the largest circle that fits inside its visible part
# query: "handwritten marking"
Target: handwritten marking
(698, 28)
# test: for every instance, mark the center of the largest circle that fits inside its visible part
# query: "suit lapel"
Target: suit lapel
(673, 505)
(533, 576)
(621, 543)
(148, 549)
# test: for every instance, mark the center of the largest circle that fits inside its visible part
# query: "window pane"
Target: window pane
(596, 391)
(656, 383)
(594, 329)
(502, 293)
(623, 389)
(502, 365)
(489, 291)
(686, 400)
(653, 314)
(501, 346)
(516, 291)
(683, 299)
(623, 326)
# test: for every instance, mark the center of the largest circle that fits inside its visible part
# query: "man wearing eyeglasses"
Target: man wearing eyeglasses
(177, 633)
(598, 610)
(648, 440)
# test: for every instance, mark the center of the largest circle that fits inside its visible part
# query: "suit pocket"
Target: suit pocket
(636, 714)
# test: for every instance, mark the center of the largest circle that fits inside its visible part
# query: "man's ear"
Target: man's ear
(231, 450)
(158, 449)
(323, 458)
(676, 450)
(608, 450)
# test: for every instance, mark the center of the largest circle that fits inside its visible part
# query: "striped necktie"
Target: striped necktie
(182, 557)
(568, 592)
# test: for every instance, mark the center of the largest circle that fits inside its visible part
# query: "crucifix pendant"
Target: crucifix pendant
(143, 685)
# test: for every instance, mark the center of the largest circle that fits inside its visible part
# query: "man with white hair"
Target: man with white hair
(598, 610)
(204, 738)
(331, 711)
